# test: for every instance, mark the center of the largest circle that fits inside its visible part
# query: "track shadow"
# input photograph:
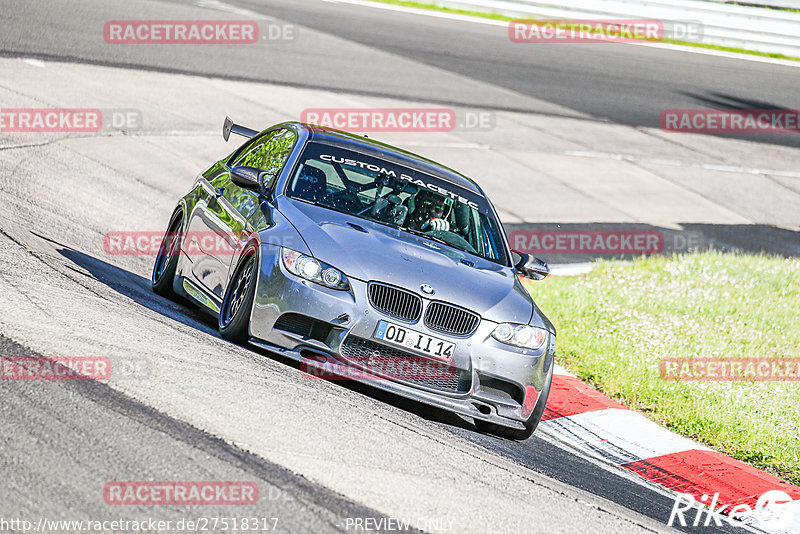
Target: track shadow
(137, 288)
(576, 243)
(726, 101)
(721, 101)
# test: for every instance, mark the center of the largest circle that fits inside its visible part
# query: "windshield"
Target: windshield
(398, 196)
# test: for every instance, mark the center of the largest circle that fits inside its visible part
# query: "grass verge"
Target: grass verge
(616, 323)
(501, 17)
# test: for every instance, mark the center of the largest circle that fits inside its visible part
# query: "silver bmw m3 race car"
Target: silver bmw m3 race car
(366, 262)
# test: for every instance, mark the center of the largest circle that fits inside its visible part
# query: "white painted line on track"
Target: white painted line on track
(33, 62)
(476, 146)
(632, 435)
(174, 133)
(222, 6)
(490, 22)
(720, 53)
(420, 11)
(556, 437)
(678, 163)
(548, 435)
(559, 370)
(571, 269)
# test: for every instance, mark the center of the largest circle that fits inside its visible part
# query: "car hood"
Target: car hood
(368, 251)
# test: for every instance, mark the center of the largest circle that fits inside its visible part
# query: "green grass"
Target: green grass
(787, 9)
(616, 323)
(501, 17)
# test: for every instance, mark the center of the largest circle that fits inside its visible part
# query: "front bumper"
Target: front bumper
(480, 359)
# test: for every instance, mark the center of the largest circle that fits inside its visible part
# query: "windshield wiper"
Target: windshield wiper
(428, 236)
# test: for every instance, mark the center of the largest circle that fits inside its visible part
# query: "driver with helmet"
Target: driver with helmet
(430, 212)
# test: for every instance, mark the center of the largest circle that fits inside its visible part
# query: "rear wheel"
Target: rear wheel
(167, 258)
(530, 425)
(234, 315)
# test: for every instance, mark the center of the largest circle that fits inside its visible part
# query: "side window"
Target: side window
(270, 152)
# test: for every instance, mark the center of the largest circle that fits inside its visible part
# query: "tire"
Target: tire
(167, 259)
(234, 314)
(530, 425)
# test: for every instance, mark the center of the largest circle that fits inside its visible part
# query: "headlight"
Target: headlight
(313, 270)
(520, 335)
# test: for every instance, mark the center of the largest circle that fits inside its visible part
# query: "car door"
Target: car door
(219, 220)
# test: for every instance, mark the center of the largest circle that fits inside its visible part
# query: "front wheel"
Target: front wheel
(530, 425)
(234, 314)
(167, 258)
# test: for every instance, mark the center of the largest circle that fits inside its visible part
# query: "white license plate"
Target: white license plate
(411, 339)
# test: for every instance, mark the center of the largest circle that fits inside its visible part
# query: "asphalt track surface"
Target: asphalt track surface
(624, 84)
(60, 439)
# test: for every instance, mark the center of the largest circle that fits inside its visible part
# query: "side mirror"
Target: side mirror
(252, 178)
(530, 266)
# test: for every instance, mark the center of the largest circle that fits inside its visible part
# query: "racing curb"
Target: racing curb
(592, 422)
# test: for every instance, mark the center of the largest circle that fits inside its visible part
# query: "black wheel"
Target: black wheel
(167, 259)
(234, 315)
(530, 426)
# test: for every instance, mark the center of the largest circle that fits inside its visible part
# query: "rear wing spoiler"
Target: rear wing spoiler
(228, 126)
